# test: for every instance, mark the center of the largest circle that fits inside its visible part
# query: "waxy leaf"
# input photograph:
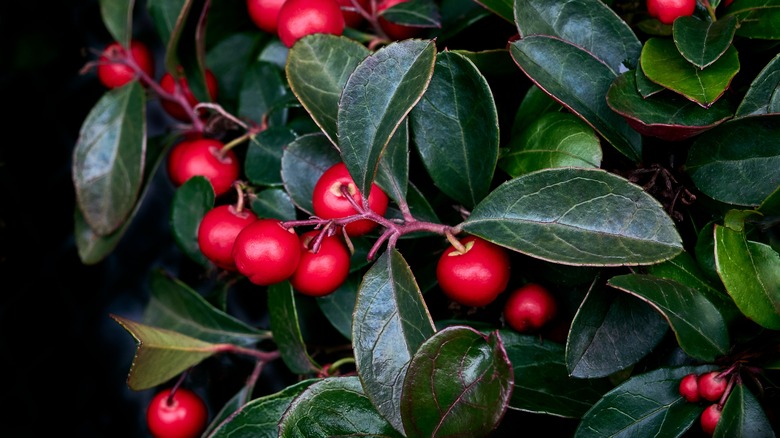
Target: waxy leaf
(377, 97)
(334, 407)
(458, 384)
(668, 116)
(274, 203)
(286, 329)
(260, 417)
(390, 323)
(648, 404)
(699, 327)
(579, 81)
(161, 354)
(338, 306)
(610, 332)
(757, 18)
(589, 24)
(553, 139)
(664, 65)
(763, 96)
(455, 129)
(703, 42)
(303, 163)
(751, 273)
(169, 18)
(502, 8)
(743, 416)
(109, 158)
(541, 382)
(191, 201)
(262, 92)
(645, 86)
(771, 205)
(576, 216)
(393, 175)
(534, 104)
(491, 61)
(263, 162)
(318, 67)
(415, 13)
(117, 15)
(745, 150)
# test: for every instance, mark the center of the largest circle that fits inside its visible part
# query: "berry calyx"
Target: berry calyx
(298, 18)
(173, 108)
(217, 233)
(264, 13)
(330, 202)
(666, 11)
(475, 276)
(712, 385)
(709, 418)
(203, 157)
(266, 252)
(180, 415)
(321, 272)
(689, 388)
(394, 30)
(113, 72)
(529, 308)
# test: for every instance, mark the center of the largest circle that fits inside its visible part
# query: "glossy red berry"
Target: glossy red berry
(474, 277)
(711, 385)
(114, 73)
(530, 307)
(203, 157)
(168, 83)
(709, 418)
(666, 11)
(321, 273)
(298, 18)
(329, 201)
(267, 253)
(218, 230)
(182, 416)
(394, 30)
(689, 388)
(264, 13)
(353, 18)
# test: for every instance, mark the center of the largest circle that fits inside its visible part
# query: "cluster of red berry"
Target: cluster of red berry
(709, 387)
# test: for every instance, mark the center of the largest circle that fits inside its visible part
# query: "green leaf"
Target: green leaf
(169, 18)
(535, 104)
(458, 384)
(191, 201)
(232, 60)
(416, 13)
(576, 216)
(751, 273)
(589, 24)
(647, 404)
(338, 306)
(757, 18)
(761, 97)
(745, 150)
(490, 62)
(377, 97)
(274, 203)
(553, 139)
(262, 90)
(541, 382)
(303, 163)
(393, 175)
(109, 158)
(703, 42)
(161, 354)
(645, 86)
(699, 327)
(335, 407)
(502, 8)
(390, 323)
(317, 70)
(455, 129)
(743, 416)
(771, 205)
(286, 329)
(263, 161)
(610, 332)
(579, 81)
(117, 15)
(663, 64)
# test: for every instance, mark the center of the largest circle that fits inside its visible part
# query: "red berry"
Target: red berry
(529, 308)
(476, 276)
(709, 418)
(711, 385)
(218, 230)
(298, 18)
(330, 203)
(394, 30)
(113, 73)
(321, 273)
(353, 18)
(689, 388)
(203, 157)
(182, 416)
(266, 252)
(666, 11)
(264, 13)
(168, 83)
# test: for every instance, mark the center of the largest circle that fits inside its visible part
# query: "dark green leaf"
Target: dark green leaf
(578, 81)
(610, 332)
(303, 163)
(263, 163)
(286, 329)
(334, 407)
(231, 407)
(109, 158)
(757, 18)
(703, 42)
(338, 306)
(262, 89)
(229, 60)
(761, 97)
(169, 18)
(502, 8)
(699, 327)
(455, 129)
(390, 323)
(393, 175)
(645, 86)
(542, 384)
(117, 15)
(274, 203)
(771, 205)
(743, 416)
(553, 139)
(458, 384)
(416, 13)
(705, 251)
(751, 273)
(191, 201)
(490, 62)
(378, 95)
(576, 216)
(745, 150)
(589, 24)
